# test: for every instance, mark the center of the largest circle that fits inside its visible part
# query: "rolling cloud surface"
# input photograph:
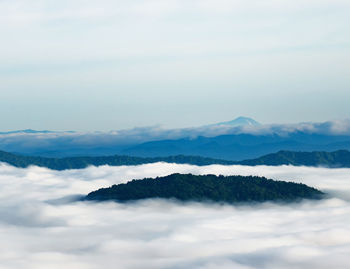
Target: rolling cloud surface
(42, 228)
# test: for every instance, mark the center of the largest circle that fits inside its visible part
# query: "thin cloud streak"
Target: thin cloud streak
(41, 230)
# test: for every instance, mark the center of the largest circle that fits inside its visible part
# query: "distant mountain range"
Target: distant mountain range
(240, 121)
(334, 159)
(239, 146)
(237, 140)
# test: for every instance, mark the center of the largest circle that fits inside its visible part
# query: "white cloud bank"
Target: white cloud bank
(114, 142)
(40, 230)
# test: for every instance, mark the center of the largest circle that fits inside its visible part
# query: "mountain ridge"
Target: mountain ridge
(239, 146)
(340, 158)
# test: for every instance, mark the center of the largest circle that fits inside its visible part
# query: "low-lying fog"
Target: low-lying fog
(41, 228)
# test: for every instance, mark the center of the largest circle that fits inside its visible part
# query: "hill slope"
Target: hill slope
(340, 158)
(188, 187)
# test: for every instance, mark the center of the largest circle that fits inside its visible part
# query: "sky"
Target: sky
(106, 65)
(42, 228)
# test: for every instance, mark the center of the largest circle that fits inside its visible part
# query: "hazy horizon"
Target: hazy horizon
(118, 64)
(184, 127)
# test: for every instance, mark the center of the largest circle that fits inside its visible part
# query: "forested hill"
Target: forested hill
(83, 162)
(188, 187)
(339, 158)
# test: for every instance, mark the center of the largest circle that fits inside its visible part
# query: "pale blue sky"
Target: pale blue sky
(102, 65)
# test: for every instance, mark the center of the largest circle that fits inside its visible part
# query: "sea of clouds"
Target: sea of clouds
(42, 227)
